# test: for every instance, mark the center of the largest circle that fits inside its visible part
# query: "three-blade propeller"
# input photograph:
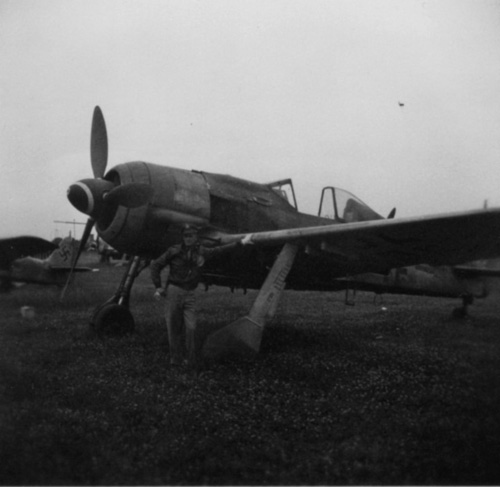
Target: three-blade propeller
(92, 196)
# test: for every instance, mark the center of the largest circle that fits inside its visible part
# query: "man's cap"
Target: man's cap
(189, 230)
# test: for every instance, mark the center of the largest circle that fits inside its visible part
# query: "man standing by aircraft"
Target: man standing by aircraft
(185, 261)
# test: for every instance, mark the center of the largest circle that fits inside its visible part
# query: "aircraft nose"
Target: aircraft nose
(80, 196)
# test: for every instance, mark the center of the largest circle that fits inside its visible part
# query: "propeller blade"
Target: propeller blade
(130, 195)
(83, 242)
(98, 144)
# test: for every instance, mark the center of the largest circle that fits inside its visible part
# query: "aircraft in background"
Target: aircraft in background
(139, 208)
(474, 280)
(19, 266)
(14, 248)
(105, 251)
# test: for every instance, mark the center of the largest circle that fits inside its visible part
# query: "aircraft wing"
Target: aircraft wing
(16, 247)
(377, 246)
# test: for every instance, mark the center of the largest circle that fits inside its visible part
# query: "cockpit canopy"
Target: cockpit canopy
(342, 206)
(336, 203)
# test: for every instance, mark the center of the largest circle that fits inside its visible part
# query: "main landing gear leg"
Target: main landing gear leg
(113, 317)
(244, 335)
(463, 310)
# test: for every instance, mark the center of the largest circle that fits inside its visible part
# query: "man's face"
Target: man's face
(190, 238)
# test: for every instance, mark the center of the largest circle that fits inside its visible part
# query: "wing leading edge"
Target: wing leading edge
(376, 246)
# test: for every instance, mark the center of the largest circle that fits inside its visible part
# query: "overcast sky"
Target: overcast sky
(260, 89)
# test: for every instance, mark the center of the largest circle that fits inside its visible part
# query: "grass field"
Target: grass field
(338, 395)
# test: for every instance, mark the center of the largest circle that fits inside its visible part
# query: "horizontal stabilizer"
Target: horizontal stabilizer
(68, 269)
(469, 271)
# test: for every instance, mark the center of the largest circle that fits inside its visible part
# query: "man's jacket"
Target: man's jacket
(185, 264)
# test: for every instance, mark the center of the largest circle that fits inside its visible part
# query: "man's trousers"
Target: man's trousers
(180, 315)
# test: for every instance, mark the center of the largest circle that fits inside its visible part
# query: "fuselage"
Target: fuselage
(223, 204)
(215, 202)
(423, 280)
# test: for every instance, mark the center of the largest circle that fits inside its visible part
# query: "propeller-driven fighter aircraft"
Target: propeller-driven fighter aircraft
(139, 208)
(18, 264)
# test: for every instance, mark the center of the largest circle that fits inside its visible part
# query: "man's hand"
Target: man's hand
(159, 293)
(247, 240)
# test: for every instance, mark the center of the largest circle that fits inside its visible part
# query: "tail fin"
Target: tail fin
(62, 257)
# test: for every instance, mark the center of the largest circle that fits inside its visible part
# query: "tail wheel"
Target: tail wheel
(112, 319)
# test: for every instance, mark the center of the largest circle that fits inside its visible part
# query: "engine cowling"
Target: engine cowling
(179, 195)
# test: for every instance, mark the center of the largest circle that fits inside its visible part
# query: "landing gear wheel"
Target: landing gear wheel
(112, 319)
